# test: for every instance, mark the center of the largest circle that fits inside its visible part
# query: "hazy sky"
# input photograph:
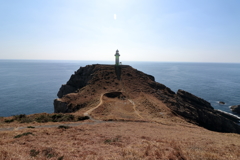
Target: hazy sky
(142, 30)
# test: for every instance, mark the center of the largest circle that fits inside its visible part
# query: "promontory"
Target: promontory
(122, 93)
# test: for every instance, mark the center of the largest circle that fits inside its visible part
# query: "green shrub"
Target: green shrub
(19, 117)
(24, 134)
(30, 127)
(107, 141)
(69, 117)
(33, 153)
(57, 117)
(63, 127)
(8, 120)
(26, 120)
(82, 118)
(60, 158)
(22, 118)
(49, 153)
(43, 118)
(62, 117)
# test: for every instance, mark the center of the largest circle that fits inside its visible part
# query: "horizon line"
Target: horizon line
(113, 61)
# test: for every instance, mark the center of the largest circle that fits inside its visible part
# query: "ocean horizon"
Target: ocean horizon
(30, 86)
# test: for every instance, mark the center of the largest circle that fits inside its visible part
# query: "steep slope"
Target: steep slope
(128, 94)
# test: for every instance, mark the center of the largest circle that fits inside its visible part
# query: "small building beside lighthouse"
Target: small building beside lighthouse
(117, 55)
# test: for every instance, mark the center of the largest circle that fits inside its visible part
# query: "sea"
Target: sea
(30, 86)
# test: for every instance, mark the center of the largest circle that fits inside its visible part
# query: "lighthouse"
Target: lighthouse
(117, 58)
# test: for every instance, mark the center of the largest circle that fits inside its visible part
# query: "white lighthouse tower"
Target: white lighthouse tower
(117, 55)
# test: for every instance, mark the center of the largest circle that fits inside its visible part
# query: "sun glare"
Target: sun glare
(115, 16)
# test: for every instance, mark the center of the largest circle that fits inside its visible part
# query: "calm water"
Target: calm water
(28, 86)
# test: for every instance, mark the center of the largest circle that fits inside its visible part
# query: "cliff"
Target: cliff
(125, 93)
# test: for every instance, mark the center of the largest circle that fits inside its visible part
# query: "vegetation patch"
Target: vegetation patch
(43, 118)
(63, 127)
(26, 120)
(8, 120)
(82, 118)
(22, 118)
(19, 117)
(112, 140)
(55, 118)
(30, 127)
(62, 117)
(49, 153)
(34, 153)
(24, 134)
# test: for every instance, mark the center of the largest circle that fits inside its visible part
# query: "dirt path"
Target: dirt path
(134, 108)
(87, 113)
(65, 124)
(131, 101)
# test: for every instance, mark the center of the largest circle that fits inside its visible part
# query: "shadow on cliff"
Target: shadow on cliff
(118, 72)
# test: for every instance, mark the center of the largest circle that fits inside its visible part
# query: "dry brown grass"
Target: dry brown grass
(39, 119)
(145, 108)
(160, 135)
(117, 109)
(120, 140)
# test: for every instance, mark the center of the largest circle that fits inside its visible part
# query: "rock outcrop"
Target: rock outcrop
(77, 80)
(87, 84)
(200, 112)
(235, 109)
(221, 102)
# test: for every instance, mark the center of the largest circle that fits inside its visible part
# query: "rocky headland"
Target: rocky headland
(124, 93)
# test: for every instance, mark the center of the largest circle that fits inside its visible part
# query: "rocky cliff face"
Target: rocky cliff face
(77, 80)
(199, 111)
(87, 84)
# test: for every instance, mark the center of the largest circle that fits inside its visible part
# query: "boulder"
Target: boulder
(235, 109)
(221, 102)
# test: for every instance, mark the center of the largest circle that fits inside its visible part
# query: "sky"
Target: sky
(142, 30)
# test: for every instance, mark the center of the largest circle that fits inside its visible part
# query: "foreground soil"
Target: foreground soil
(119, 140)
